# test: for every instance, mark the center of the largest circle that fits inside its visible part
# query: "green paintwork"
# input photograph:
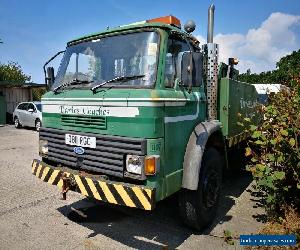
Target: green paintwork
(168, 139)
(2, 110)
(172, 137)
(235, 97)
(129, 28)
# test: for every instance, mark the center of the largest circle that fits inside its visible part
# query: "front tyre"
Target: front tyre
(17, 122)
(198, 207)
(38, 125)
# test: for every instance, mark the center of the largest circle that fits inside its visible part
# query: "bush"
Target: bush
(288, 224)
(274, 152)
(37, 93)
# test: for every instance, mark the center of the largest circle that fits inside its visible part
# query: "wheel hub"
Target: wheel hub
(211, 189)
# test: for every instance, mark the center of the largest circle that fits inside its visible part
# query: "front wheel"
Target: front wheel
(38, 125)
(17, 122)
(198, 207)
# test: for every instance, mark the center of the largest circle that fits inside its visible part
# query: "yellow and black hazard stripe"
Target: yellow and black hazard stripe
(232, 141)
(111, 192)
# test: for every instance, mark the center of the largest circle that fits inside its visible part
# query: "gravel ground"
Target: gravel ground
(32, 215)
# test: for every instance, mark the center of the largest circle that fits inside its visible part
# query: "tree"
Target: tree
(288, 69)
(37, 93)
(12, 72)
(287, 72)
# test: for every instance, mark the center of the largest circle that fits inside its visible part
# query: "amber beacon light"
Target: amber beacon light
(167, 20)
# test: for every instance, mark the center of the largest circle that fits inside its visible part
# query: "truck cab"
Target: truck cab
(131, 118)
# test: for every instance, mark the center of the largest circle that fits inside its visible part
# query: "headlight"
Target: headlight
(143, 165)
(43, 147)
(135, 164)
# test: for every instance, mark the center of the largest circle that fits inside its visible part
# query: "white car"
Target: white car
(28, 114)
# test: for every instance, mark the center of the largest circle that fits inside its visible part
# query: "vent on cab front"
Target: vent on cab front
(84, 121)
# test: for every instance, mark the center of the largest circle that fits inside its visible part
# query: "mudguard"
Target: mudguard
(194, 152)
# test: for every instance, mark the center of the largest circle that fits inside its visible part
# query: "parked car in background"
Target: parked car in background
(28, 114)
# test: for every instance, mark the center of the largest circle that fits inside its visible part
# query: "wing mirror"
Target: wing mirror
(186, 68)
(30, 110)
(190, 68)
(50, 76)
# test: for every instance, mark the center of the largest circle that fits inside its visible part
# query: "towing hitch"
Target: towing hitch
(65, 185)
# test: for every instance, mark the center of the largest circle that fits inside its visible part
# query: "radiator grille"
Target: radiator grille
(107, 158)
(84, 121)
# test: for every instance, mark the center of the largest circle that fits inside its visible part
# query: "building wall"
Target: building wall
(13, 96)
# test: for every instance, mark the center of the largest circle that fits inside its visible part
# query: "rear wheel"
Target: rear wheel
(38, 125)
(17, 122)
(198, 208)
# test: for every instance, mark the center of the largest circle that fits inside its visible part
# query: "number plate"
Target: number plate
(79, 140)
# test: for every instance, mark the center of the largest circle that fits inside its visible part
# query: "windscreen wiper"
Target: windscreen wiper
(73, 82)
(117, 79)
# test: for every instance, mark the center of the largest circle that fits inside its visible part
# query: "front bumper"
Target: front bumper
(89, 185)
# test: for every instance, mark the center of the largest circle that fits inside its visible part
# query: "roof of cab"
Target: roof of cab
(127, 27)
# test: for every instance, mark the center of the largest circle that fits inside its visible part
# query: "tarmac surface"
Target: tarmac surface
(33, 216)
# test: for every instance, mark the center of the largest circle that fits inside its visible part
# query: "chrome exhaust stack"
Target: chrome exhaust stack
(210, 24)
(211, 51)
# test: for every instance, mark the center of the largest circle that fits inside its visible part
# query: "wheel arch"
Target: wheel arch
(205, 134)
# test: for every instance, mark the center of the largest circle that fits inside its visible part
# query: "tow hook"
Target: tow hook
(65, 186)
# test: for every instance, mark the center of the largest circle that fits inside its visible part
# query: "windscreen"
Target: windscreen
(103, 59)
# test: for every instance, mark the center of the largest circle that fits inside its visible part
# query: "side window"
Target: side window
(176, 46)
(23, 106)
(30, 106)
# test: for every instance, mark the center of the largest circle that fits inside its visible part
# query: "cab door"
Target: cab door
(192, 87)
(183, 113)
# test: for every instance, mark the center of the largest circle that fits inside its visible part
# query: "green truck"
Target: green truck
(140, 112)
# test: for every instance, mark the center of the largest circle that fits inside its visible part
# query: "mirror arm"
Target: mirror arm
(44, 67)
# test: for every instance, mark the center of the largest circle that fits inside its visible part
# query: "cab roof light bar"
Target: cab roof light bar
(171, 20)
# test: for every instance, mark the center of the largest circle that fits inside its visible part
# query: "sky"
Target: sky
(257, 32)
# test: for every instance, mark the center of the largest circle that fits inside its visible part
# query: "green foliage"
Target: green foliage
(37, 93)
(287, 72)
(289, 69)
(274, 151)
(12, 72)
(264, 77)
(228, 237)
